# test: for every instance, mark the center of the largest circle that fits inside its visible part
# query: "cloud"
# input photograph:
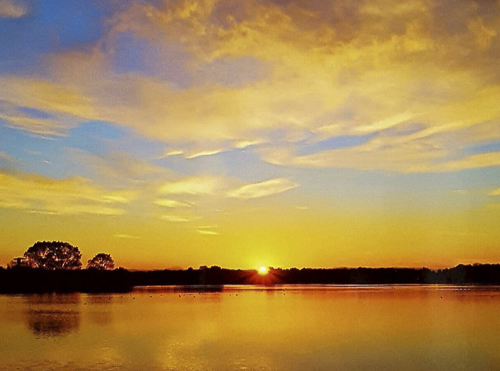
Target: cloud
(470, 162)
(482, 33)
(207, 226)
(35, 125)
(197, 185)
(12, 9)
(55, 124)
(171, 152)
(128, 236)
(171, 203)
(495, 192)
(195, 150)
(119, 167)
(59, 108)
(416, 153)
(262, 189)
(75, 195)
(312, 70)
(7, 160)
(207, 232)
(205, 153)
(176, 218)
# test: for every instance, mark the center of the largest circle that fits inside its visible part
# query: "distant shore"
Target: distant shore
(25, 280)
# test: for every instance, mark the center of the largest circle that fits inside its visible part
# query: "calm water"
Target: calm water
(284, 328)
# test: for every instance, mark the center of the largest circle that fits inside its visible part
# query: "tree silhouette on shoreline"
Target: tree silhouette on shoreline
(54, 255)
(102, 262)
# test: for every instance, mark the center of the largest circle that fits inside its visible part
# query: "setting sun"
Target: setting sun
(263, 270)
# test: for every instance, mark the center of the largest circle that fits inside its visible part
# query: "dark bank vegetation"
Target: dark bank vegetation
(56, 267)
(33, 280)
(461, 274)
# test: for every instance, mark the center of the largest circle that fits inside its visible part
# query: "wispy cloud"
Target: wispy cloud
(171, 152)
(171, 203)
(7, 160)
(495, 192)
(123, 235)
(13, 9)
(53, 196)
(207, 232)
(198, 185)
(262, 189)
(176, 218)
(118, 166)
(395, 154)
(204, 153)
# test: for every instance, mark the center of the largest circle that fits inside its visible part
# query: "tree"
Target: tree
(22, 262)
(54, 255)
(101, 261)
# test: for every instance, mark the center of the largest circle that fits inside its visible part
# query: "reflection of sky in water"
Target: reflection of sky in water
(325, 328)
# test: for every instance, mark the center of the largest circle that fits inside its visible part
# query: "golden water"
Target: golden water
(242, 328)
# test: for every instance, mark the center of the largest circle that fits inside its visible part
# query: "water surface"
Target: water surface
(255, 328)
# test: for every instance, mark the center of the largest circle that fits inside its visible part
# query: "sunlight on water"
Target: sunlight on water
(255, 328)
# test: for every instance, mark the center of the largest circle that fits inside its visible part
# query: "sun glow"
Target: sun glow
(263, 270)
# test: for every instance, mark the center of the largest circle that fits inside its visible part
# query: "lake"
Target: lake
(255, 328)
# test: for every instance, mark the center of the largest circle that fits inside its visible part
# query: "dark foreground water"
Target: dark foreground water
(241, 328)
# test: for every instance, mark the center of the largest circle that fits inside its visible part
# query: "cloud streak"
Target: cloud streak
(495, 192)
(75, 195)
(198, 185)
(124, 235)
(171, 203)
(263, 189)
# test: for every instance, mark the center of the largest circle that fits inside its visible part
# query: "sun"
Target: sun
(263, 270)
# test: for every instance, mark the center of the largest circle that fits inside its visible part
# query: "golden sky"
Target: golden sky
(284, 133)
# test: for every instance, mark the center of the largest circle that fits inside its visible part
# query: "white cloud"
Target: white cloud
(171, 203)
(262, 189)
(204, 153)
(207, 232)
(124, 235)
(176, 218)
(198, 185)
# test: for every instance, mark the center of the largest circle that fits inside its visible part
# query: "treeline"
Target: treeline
(461, 274)
(28, 280)
(38, 280)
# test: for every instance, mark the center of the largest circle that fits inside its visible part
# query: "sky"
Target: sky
(284, 133)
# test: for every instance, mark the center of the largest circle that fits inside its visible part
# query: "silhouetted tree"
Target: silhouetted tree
(22, 262)
(54, 255)
(102, 262)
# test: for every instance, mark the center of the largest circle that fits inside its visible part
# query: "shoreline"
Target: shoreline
(26, 281)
